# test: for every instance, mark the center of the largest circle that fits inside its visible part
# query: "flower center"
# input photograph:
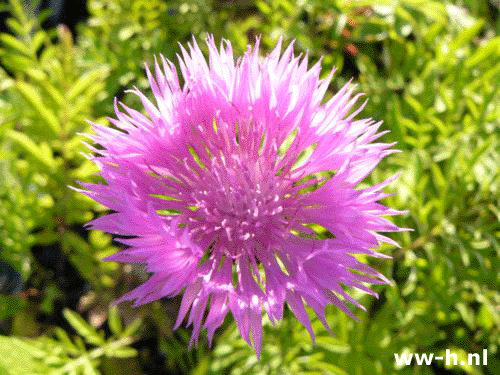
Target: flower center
(240, 203)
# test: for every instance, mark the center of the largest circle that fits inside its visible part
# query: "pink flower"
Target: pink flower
(220, 181)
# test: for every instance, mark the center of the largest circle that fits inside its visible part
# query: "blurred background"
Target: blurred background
(431, 70)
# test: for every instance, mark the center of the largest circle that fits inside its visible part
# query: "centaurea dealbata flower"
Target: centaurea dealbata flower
(218, 182)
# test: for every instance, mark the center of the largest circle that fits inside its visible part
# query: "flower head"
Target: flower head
(224, 181)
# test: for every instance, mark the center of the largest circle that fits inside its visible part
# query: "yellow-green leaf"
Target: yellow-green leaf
(39, 153)
(30, 94)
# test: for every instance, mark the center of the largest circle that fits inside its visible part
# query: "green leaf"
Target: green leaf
(15, 44)
(84, 329)
(415, 105)
(480, 151)
(132, 328)
(438, 178)
(19, 356)
(38, 39)
(466, 36)
(53, 92)
(484, 52)
(263, 7)
(333, 344)
(114, 321)
(485, 317)
(65, 340)
(30, 94)
(85, 81)
(125, 352)
(39, 153)
(88, 368)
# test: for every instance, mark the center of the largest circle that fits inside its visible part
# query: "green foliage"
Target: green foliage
(60, 354)
(47, 96)
(124, 35)
(431, 71)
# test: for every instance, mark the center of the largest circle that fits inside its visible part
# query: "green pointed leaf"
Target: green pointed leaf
(123, 353)
(132, 328)
(85, 81)
(466, 36)
(84, 329)
(65, 339)
(15, 44)
(114, 321)
(39, 153)
(30, 94)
